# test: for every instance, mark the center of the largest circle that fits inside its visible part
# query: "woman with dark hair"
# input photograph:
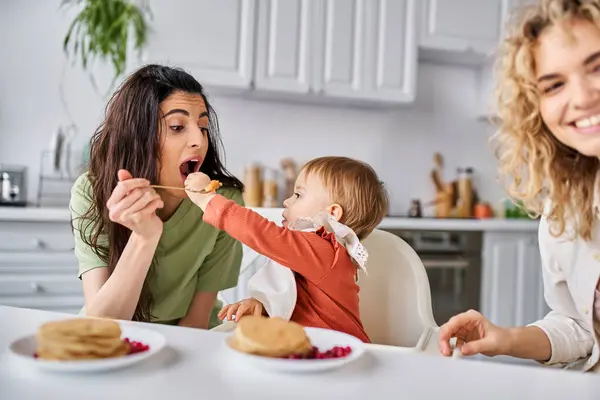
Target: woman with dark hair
(143, 254)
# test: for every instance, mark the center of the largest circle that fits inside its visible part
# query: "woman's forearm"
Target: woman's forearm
(530, 343)
(119, 295)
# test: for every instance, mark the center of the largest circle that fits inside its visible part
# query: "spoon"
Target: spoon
(178, 188)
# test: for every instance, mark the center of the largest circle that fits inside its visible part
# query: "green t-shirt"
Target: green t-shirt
(192, 256)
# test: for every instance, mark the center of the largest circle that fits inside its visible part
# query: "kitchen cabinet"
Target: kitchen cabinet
(38, 268)
(512, 291)
(285, 45)
(348, 50)
(212, 40)
(461, 31)
(356, 50)
(485, 76)
(367, 50)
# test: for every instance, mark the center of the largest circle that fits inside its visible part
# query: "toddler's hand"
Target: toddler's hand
(195, 183)
(245, 307)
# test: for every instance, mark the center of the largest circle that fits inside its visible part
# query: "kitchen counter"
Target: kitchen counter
(457, 224)
(34, 214)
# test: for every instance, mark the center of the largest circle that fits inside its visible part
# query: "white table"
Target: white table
(197, 366)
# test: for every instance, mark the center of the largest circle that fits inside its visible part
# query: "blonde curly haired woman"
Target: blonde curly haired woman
(548, 146)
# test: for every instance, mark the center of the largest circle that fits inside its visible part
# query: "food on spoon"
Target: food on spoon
(212, 186)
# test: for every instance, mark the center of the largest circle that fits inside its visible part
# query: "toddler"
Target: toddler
(311, 270)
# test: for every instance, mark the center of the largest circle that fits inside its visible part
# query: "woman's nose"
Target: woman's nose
(197, 138)
(585, 94)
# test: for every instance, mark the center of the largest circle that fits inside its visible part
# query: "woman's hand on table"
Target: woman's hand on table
(133, 204)
(475, 334)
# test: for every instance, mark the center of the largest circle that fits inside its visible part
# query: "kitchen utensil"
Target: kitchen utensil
(438, 161)
(179, 188)
(13, 185)
(56, 147)
(415, 209)
(445, 191)
(69, 132)
(437, 181)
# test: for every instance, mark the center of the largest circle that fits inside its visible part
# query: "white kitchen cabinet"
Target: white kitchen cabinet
(284, 45)
(366, 49)
(486, 108)
(512, 291)
(212, 40)
(461, 31)
(38, 268)
(356, 50)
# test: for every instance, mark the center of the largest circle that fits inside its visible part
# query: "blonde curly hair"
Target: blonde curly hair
(536, 168)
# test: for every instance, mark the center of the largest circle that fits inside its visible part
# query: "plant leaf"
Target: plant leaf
(101, 31)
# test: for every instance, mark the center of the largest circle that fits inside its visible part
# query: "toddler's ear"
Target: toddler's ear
(336, 210)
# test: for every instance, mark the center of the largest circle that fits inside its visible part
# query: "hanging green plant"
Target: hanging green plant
(101, 31)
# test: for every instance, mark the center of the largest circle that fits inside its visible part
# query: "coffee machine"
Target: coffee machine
(13, 185)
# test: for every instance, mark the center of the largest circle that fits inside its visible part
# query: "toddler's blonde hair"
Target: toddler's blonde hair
(353, 185)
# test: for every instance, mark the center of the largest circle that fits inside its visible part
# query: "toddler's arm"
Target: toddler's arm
(303, 252)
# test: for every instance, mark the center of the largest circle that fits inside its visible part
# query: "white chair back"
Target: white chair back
(395, 299)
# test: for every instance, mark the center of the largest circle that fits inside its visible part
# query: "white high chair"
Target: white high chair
(395, 299)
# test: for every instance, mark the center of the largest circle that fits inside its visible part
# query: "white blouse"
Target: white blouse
(571, 269)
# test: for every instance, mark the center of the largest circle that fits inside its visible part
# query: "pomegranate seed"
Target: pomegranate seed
(136, 347)
(35, 355)
(316, 354)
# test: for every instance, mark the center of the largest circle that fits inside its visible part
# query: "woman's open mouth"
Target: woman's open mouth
(189, 166)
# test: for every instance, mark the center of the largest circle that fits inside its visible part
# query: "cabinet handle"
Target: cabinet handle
(36, 287)
(39, 243)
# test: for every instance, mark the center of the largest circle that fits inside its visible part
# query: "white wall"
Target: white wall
(398, 143)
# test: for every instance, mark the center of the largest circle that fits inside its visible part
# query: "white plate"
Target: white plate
(25, 347)
(324, 339)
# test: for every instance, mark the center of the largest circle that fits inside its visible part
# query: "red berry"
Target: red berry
(136, 347)
(316, 354)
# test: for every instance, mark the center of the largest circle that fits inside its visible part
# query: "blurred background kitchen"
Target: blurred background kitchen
(404, 85)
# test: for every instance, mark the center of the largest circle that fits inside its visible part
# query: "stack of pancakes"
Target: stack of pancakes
(80, 339)
(270, 337)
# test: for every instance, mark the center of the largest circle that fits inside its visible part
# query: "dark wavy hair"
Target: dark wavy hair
(128, 138)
